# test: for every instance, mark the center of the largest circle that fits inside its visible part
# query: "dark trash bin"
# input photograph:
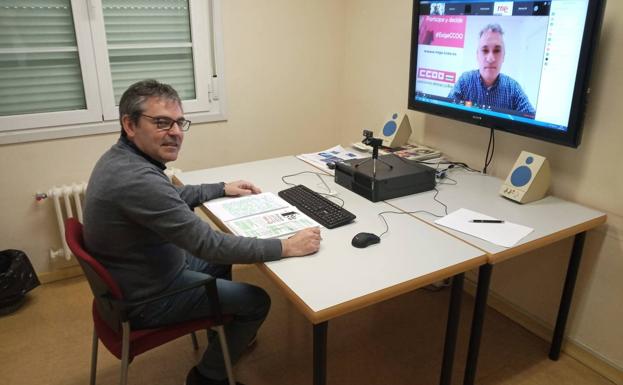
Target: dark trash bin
(17, 277)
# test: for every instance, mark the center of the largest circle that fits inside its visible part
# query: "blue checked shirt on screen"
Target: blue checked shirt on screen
(505, 93)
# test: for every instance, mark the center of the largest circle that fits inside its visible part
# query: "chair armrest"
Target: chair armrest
(211, 281)
(211, 291)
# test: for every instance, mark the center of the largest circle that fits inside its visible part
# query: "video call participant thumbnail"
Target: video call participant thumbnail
(487, 86)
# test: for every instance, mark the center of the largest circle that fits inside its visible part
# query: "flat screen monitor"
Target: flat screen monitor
(517, 66)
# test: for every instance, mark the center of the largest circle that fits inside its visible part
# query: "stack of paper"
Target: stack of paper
(411, 151)
(262, 215)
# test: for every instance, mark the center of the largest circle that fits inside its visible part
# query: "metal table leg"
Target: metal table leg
(320, 353)
(567, 295)
(452, 327)
(482, 291)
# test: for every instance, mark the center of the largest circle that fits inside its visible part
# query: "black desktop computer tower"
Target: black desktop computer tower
(395, 177)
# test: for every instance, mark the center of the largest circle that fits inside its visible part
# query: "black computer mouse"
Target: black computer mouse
(362, 240)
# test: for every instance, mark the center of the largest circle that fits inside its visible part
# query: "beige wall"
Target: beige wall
(375, 83)
(283, 62)
(305, 75)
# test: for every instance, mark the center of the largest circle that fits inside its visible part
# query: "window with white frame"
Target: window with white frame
(65, 63)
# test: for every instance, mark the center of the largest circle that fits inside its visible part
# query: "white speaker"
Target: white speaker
(394, 133)
(528, 180)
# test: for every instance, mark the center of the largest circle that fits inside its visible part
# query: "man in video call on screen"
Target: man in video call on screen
(486, 87)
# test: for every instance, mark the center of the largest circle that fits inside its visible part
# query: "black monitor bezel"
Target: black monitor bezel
(572, 137)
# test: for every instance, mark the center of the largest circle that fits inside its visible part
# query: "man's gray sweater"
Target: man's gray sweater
(140, 226)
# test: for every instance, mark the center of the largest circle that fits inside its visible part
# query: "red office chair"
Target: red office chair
(110, 319)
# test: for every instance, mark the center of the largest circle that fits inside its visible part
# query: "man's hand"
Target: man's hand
(304, 242)
(239, 188)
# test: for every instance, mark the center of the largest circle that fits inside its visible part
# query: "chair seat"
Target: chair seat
(108, 297)
(142, 340)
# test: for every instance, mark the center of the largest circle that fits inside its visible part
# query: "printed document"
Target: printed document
(505, 234)
(331, 155)
(263, 215)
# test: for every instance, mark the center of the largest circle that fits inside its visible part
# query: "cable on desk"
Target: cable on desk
(330, 194)
(450, 164)
(381, 214)
(450, 179)
(445, 208)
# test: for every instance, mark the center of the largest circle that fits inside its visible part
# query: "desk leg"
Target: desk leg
(567, 295)
(454, 313)
(320, 353)
(482, 291)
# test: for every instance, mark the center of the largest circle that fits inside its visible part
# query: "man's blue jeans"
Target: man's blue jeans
(247, 303)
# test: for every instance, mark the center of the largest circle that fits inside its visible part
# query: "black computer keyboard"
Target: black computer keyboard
(316, 206)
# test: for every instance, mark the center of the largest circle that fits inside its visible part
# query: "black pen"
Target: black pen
(486, 221)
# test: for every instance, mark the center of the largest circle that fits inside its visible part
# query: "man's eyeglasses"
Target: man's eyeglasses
(165, 124)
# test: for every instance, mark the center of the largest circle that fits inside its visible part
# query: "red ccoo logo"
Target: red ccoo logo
(440, 76)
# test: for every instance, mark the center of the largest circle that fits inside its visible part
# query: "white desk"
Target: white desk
(340, 278)
(552, 218)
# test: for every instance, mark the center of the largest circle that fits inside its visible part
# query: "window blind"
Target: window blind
(64, 64)
(149, 39)
(39, 62)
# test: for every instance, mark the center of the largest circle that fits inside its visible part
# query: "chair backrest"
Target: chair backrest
(105, 289)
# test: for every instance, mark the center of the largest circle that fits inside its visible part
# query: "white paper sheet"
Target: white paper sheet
(505, 234)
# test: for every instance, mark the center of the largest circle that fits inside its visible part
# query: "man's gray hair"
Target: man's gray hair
(493, 28)
(133, 99)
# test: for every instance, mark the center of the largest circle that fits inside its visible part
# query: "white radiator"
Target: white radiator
(67, 201)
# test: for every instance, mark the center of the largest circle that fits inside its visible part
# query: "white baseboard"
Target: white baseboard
(572, 348)
(57, 275)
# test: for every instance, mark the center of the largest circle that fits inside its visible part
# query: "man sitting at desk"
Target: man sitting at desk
(143, 230)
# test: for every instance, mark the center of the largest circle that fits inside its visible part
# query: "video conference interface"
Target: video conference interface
(511, 59)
